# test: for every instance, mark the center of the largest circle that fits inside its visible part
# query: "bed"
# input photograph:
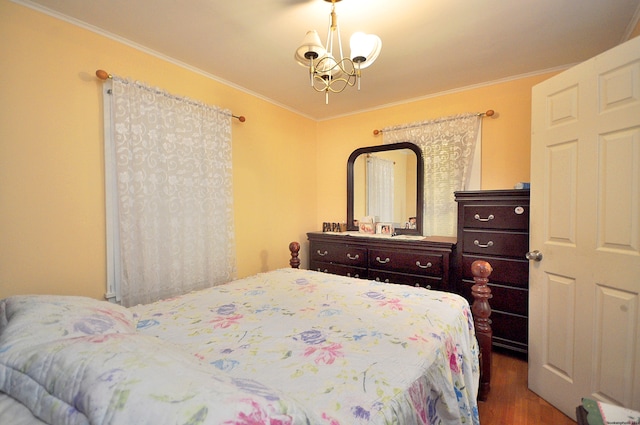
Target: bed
(289, 346)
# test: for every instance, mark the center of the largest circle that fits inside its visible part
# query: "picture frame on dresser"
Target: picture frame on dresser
(493, 225)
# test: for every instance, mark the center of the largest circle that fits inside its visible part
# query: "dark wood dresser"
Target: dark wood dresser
(493, 225)
(425, 262)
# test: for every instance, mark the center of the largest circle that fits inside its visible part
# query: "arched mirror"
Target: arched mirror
(386, 181)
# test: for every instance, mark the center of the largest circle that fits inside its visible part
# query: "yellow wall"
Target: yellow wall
(52, 221)
(289, 172)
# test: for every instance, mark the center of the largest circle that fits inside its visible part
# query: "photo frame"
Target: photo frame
(367, 228)
(385, 228)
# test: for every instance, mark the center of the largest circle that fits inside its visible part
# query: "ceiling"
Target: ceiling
(428, 46)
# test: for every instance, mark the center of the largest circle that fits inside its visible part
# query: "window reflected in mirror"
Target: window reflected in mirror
(384, 186)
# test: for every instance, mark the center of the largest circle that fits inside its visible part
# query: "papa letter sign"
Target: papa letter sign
(334, 227)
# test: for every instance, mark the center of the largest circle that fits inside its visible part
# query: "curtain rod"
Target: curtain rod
(489, 113)
(104, 75)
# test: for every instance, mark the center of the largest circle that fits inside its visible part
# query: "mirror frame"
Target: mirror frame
(419, 183)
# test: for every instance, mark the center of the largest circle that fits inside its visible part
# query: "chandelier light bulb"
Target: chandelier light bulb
(365, 48)
(311, 48)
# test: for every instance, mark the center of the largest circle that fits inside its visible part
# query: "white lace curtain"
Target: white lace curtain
(447, 146)
(169, 194)
(380, 184)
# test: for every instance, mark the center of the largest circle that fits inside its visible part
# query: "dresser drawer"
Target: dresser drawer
(414, 262)
(338, 253)
(508, 244)
(508, 271)
(406, 279)
(338, 269)
(511, 217)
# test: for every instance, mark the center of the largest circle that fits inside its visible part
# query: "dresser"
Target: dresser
(493, 225)
(409, 260)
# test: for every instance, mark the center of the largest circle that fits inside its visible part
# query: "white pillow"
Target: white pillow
(43, 318)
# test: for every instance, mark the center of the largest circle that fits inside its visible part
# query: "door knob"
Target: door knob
(534, 255)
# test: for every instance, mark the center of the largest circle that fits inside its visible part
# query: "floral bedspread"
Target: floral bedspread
(286, 347)
(73, 360)
(348, 351)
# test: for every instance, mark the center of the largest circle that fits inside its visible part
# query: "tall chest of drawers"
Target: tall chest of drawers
(426, 262)
(493, 225)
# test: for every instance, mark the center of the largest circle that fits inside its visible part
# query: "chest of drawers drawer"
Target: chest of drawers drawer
(504, 298)
(507, 244)
(507, 331)
(506, 217)
(406, 262)
(514, 272)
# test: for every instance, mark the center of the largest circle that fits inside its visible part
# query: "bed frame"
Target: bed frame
(480, 309)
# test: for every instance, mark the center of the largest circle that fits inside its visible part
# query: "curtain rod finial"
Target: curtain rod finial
(102, 74)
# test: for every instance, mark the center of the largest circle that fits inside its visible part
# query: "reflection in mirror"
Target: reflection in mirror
(386, 181)
(384, 185)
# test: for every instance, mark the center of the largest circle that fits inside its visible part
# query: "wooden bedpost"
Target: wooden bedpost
(481, 311)
(294, 248)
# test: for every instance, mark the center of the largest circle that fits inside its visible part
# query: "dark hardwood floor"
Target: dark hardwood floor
(510, 402)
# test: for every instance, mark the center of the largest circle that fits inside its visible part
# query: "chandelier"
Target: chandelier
(329, 73)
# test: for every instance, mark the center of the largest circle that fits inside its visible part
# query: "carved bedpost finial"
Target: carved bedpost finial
(481, 294)
(481, 311)
(294, 248)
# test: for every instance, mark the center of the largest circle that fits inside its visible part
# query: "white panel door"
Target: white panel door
(584, 302)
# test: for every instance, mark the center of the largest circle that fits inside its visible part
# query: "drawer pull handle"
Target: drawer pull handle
(380, 280)
(477, 217)
(385, 261)
(322, 254)
(353, 257)
(487, 245)
(426, 266)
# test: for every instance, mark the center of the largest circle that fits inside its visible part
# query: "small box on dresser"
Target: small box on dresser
(493, 225)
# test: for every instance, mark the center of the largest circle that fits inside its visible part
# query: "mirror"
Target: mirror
(399, 197)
